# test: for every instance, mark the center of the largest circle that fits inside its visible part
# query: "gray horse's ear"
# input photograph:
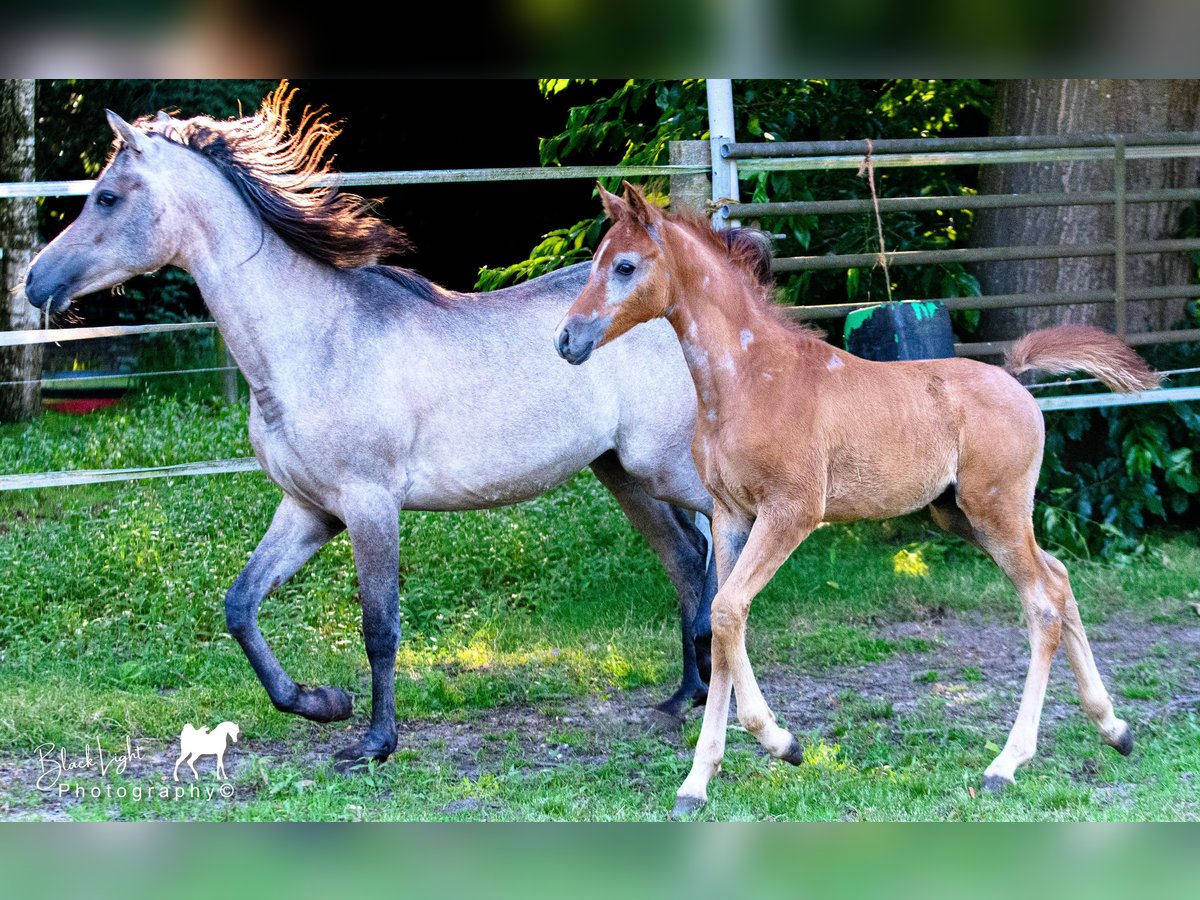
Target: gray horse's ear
(133, 138)
(161, 116)
(614, 207)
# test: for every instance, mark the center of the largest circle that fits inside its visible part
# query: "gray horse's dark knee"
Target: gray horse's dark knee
(239, 614)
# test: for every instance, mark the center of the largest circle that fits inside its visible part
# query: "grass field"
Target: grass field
(535, 637)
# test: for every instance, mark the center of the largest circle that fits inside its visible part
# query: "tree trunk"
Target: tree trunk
(18, 242)
(1078, 107)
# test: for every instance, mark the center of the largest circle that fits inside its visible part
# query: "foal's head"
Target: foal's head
(629, 280)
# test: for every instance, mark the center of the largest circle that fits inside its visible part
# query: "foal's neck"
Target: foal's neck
(717, 318)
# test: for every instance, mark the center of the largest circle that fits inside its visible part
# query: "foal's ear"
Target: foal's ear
(645, 212)
(132, 138)
(614, 207)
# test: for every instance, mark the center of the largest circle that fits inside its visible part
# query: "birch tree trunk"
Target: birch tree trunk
(18, 242)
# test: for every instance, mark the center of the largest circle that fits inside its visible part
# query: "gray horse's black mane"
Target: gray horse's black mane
(278, 171)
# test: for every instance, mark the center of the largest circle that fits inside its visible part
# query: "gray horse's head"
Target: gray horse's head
(126, 227)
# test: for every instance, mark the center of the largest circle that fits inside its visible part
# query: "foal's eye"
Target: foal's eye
(106, 198)
(625, 267)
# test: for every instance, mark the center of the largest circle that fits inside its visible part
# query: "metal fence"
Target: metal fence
(716, 174)
(1118, 149)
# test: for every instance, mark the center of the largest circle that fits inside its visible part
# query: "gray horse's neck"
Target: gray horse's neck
(268, 300)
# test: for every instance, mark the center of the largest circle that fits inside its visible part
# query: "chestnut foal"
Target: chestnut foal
(792, 432)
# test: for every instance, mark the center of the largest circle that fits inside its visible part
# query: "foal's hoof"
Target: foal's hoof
(996, 783)
(324, 704)
(685, 806)
(794, 754)
(1124, 743)
(362, 753)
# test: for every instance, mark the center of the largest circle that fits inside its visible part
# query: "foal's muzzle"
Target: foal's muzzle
(578, 336)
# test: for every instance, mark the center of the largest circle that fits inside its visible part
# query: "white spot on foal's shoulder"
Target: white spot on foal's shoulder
(711, 415)
(692, 330)
(706, 281)
(747, 338)
(834, 363)
(727, 363)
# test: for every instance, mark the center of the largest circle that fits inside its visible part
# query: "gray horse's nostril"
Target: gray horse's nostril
(563, 341)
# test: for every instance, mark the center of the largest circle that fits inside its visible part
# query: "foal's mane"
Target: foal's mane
(277, 170)
(748, 250)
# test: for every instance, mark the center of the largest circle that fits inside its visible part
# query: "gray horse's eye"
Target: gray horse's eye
(625, 267)
(106, 198)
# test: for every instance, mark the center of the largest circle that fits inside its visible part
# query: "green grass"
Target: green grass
(111, 623)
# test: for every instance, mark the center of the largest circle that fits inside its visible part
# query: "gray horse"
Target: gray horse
(373, 390)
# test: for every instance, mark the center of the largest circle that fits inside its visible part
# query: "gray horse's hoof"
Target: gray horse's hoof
(324, 704)
(685, 806)
(363, 752)
(1124, 744)
(665, 718)
(794, 754)
(996, 783)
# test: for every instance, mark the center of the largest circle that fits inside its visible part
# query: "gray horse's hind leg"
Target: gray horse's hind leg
(684, 553)
(372, 518)
(296, 533)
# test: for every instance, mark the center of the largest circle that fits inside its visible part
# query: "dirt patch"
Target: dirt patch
(973, 670)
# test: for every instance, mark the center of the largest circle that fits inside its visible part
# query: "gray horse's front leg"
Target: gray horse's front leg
(296, 533)
(682, 549)
(372, 518)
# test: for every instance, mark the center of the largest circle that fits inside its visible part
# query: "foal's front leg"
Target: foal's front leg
(296, 533)
(772, 540)
(372, 518)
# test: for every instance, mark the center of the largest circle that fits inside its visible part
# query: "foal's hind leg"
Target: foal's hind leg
(296, 533)
(1008, 538)
(1092, 695)
(683, 552)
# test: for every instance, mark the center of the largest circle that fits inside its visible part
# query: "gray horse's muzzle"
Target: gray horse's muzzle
(578, 336)
(43, 284)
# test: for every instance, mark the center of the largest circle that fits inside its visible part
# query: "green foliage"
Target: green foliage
(635, 124)
(1111, 474)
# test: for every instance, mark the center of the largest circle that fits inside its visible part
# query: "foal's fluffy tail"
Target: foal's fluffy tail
(1082, 348)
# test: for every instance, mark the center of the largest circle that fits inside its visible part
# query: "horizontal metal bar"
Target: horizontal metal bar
(1136, 339)
(1008, 301)
(964, 201)
(1096, 401)
(981, 158)
(1177, 336)
(401, 177)
(60, 335)
(768, 149)
(60, 379)
(977, 254)
(99, 476)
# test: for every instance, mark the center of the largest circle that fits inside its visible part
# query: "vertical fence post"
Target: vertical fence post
(229, 378)
(720, 131)
(690, 192)
(1119, 236)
